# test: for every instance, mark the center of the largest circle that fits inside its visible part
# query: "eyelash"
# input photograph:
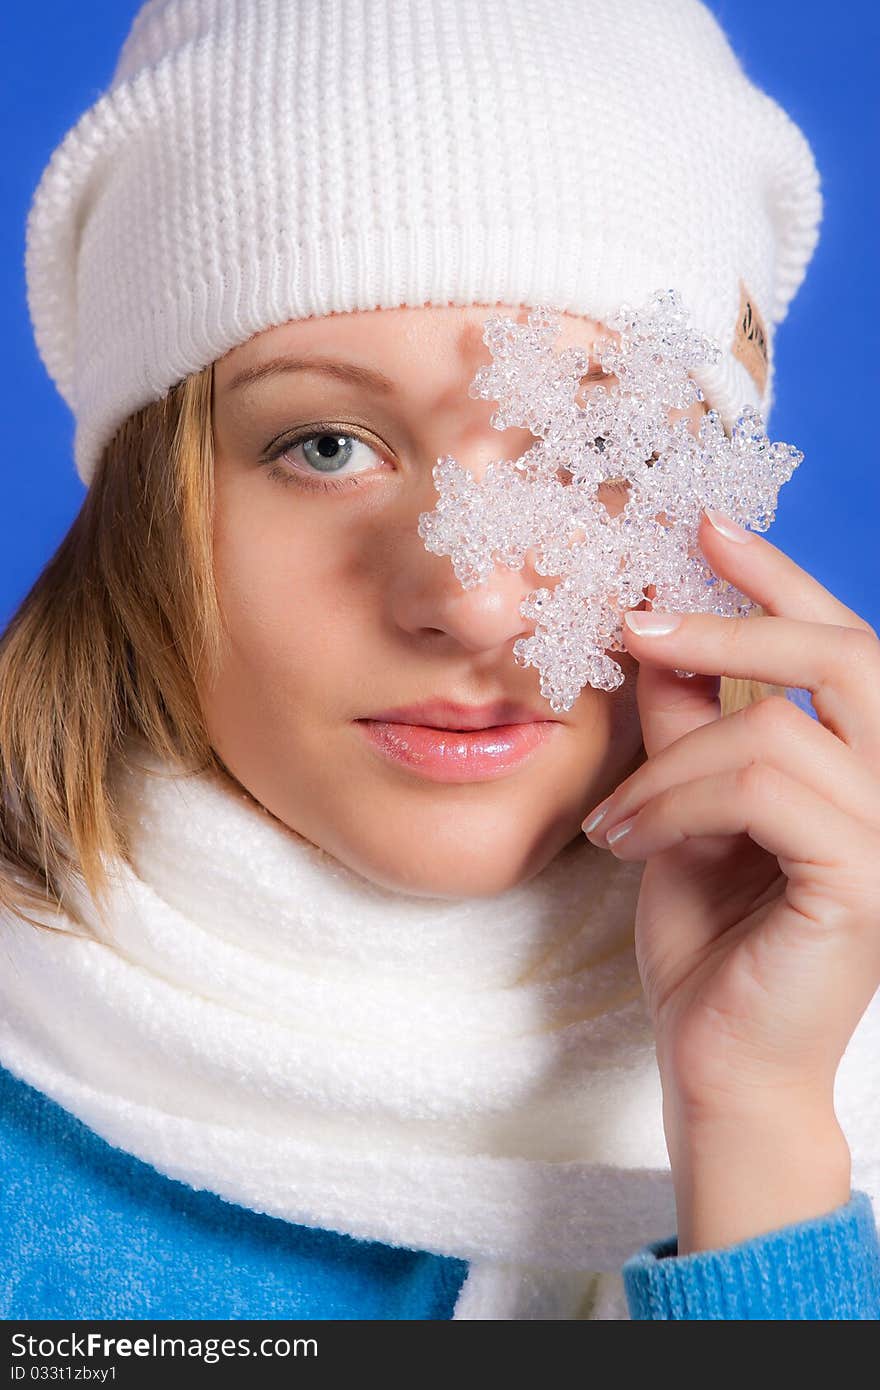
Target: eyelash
(279, 474)
(285, 476)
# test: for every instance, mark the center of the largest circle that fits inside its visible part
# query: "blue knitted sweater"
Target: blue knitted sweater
(89, 1231)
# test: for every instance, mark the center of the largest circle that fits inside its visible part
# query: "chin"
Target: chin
(483, 870)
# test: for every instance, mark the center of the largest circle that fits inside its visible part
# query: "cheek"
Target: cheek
(286, 586)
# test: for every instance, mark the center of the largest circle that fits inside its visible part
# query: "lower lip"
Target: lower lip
(458, 755)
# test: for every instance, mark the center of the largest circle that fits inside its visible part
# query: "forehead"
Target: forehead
(400, 342)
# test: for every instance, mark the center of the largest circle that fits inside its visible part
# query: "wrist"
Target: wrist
(740, 1176)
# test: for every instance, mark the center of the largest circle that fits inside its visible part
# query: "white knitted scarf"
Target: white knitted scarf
(473, 1077)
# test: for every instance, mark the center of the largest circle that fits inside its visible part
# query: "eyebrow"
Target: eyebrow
(367, 378)
(350, 372)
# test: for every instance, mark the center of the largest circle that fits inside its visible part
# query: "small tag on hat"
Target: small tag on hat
(750, 339)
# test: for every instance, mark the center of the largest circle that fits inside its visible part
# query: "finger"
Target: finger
(840, 666)
(778, 812)
(760, 569)
(669, 707)
(772, 731)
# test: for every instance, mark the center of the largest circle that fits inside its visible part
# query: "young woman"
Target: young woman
(310, 1009)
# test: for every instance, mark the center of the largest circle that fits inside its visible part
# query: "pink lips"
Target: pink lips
(469, 747)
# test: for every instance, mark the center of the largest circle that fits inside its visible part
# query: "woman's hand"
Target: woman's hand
(758, 924)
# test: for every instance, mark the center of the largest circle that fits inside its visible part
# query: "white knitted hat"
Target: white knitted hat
(256, 161)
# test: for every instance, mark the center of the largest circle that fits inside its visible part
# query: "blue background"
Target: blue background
(818, 61)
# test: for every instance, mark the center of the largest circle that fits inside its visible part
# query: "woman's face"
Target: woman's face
(337, 613)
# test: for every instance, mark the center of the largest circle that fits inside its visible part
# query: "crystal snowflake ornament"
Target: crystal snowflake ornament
(546, 503)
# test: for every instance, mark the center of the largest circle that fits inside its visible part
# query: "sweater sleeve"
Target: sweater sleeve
(824, 1268)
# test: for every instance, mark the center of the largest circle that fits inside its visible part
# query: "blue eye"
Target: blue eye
(326, 452)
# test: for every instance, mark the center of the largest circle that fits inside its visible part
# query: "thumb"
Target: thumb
(669, 705)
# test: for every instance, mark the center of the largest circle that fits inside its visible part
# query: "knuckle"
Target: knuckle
(860, 624)
(739, 632)
(757, 779)
(773, 716)
(862, 646)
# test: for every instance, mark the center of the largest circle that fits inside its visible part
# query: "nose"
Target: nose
(483, 618)
(428, 601)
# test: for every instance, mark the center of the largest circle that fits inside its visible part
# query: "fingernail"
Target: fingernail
(612, 836)
(651, 624)
(599, 814)
(729, 528)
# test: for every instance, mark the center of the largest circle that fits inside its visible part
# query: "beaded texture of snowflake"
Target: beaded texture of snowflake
(547, 500)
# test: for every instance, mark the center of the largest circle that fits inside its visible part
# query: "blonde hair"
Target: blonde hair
(108, 642)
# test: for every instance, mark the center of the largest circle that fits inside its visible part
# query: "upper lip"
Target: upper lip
(439, 713)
